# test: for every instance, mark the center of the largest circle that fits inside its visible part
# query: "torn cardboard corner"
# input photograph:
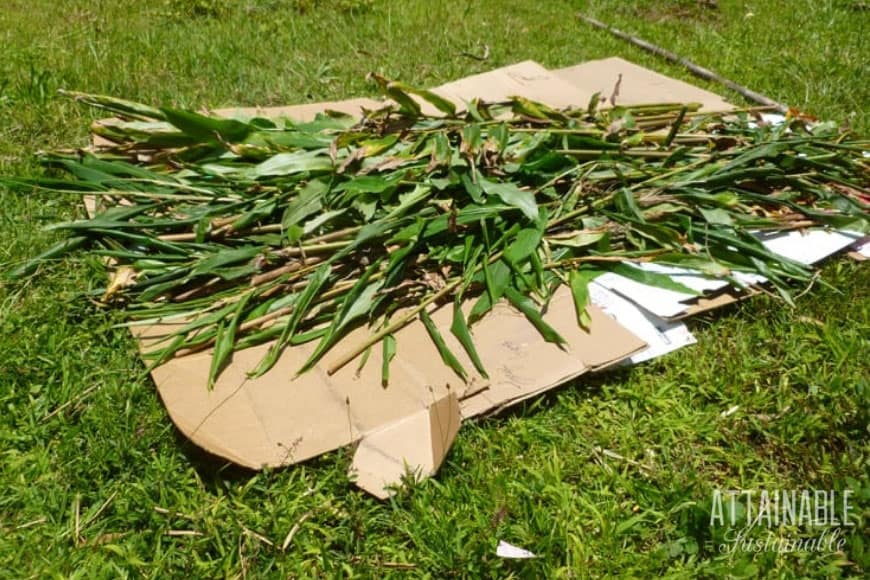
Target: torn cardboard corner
(407, 427)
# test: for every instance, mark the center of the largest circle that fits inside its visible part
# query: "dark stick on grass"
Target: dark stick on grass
(691, 66)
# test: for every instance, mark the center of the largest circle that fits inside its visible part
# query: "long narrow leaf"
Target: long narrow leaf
(460, 330)
(525, 305)
(443, 350)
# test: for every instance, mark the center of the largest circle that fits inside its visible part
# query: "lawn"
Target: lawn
(611, 476)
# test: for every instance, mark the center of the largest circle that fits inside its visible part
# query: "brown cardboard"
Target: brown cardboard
(638, 86)
(304, 111)
(281, 418)
(414, 446)
(526, 374)
(526, 79)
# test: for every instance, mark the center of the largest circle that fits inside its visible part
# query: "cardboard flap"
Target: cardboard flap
(639, 85)
(414, 446)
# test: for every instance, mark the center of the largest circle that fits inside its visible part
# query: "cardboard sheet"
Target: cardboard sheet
(303, 112)
(408, 427)
(638, 86)
(281, 418)
(526, 79)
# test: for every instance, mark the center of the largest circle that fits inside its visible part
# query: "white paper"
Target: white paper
(506, 550)
(770, 119)
(691, 278)
(659, 301)
(808, 246)
(660, 335)
(745, 279)
(773, 118)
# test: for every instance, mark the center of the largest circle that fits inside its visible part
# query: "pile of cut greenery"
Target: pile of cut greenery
(270, 230)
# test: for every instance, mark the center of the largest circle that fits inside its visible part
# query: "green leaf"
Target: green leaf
(594, 101)
(534, 110)
(472, 140)
(498, 279)
(512, 196)
(58, 250)
(118, 106)
(389, 353)
(368, 184)
(437, 101)
(396, 92)
(579, 281)
(300, 311)
(356, 304)
(524, 245)
(366, 205)
(656, 279)
(446, 354)
(320, 220)
(225, 341)
(363, 360)
(475, 192)
(223, 257)
(409, 200)
(207, 128)
(717, 216)
(627, 204)
(292, 163)
(527, 306)
(262, 210)
(459, 328)
(306, 203)
(703, 264)
(581, 239)
(763, 151)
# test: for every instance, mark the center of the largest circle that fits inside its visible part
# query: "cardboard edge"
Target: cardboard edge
(414, 446)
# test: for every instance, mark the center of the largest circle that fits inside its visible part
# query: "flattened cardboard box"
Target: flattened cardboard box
(281, 419)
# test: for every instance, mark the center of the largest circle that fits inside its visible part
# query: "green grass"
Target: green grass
(546, 476)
